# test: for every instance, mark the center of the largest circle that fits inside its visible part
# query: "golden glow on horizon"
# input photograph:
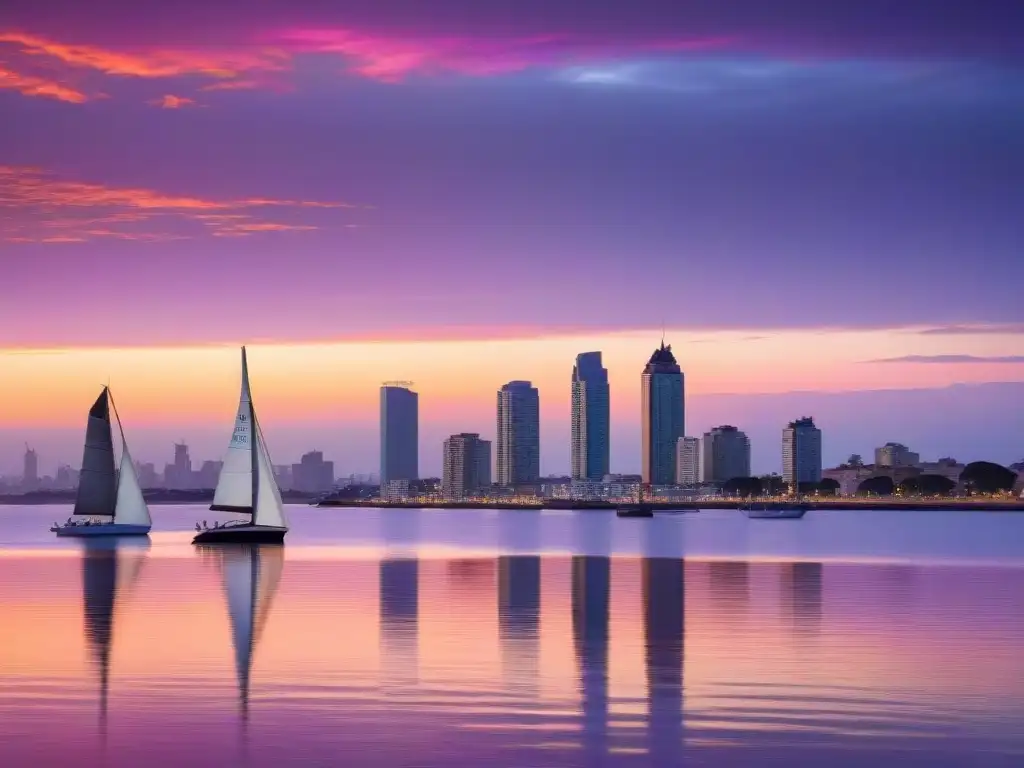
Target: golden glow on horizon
(340, 381)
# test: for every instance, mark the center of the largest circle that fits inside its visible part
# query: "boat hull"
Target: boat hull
(241, 534)
(103, 529)
(635, 510)
(794, 513)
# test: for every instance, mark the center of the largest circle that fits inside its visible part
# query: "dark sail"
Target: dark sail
(97, 484)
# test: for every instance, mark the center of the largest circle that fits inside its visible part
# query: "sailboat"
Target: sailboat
(252, 573)
(109, 501)
(246, 484)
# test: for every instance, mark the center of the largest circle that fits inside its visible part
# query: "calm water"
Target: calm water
(480, 638)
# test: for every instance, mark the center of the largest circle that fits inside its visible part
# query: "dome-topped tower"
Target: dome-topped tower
(662, 415)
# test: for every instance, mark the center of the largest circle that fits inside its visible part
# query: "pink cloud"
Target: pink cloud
(390, 59)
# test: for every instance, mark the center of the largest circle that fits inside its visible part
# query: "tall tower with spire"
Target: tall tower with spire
(661, 415)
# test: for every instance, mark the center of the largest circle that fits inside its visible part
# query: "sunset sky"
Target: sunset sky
(821, 204)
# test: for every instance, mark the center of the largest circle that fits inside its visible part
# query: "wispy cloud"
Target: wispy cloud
(955, 359)
(393, 58)
(160, 62)
(41, 208)
(975, 329)
(29, 85)
(44, 67)
(171, 101)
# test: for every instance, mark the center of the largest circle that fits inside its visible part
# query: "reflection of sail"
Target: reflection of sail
(802, 591)
(251, 574)
(399, 619)
(110, 567)
(663, 598)
(519, 618)
(591, 591)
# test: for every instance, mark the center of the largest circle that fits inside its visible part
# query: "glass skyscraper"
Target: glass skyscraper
(591, 418)
(661, 416)
(399, 433)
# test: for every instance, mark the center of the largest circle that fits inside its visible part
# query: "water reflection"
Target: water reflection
(399, 620)
(519, 620)
(591, 595)
(251, 574)
(110, 568)
(514, 657)
(802, 592)
(664, 597)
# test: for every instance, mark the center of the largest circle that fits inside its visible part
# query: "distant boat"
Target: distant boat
(640, 509)
(246, 484)
(774, 510)
(109, 502)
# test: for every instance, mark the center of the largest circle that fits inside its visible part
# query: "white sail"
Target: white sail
(269, 507)
(234, 486)
(131, 508)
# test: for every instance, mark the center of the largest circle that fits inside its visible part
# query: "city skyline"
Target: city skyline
(775, 464)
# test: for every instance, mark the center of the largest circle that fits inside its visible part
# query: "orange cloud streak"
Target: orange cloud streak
(49, 210)
(171, 101)
(157, 63)
(29, 85)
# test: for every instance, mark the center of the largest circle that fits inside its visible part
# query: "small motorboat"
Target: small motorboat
(775, 510)
(635, 510)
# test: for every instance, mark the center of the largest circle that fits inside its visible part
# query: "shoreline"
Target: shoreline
(959, 505)
(842, 503)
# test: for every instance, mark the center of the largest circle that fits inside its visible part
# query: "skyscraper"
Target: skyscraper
(688, 461)
(725, 455)
(591, 419)
(30, 475)
(399, 433)
(466, 466)
(312, 474)
(518, 433)
(801, 453)
(661, 416)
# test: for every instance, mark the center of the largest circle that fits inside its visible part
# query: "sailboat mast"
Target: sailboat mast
(253, 437)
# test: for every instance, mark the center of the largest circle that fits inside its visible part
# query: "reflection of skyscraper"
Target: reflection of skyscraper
(519, 618)
(591, 593)
(663, 598)
(399, 619)
(591, 420)
(661, 416)
(730, 586)
(802, 593)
